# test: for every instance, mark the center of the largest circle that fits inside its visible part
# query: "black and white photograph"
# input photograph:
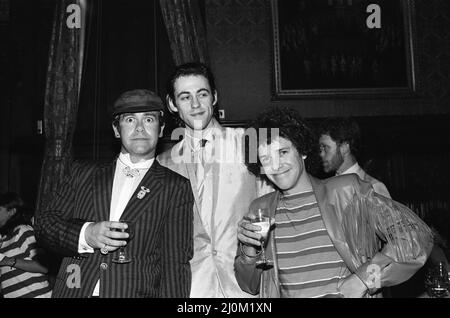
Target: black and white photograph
(219, 155)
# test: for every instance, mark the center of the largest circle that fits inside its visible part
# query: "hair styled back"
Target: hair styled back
(187, 69)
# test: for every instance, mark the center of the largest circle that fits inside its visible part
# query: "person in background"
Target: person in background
(22, 272)
(212, 158)
(84, 223)
(331, 238)
(340, 144)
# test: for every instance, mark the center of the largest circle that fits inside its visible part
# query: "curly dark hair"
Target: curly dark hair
(343, 129)
(292, 127)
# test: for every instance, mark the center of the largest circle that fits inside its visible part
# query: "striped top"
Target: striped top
(16, 283)
(309, 264)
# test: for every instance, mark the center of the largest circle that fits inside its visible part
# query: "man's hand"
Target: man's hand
(249, 236)
(248, 233)
(105, 235)
(352, 287)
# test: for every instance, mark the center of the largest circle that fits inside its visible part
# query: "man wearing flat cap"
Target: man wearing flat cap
(85, 222)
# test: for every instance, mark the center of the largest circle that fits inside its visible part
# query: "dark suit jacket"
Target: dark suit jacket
(161, 247)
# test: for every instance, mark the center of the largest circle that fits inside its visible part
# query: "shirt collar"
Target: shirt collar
(124, 160)
(352, 169)
(208, 134)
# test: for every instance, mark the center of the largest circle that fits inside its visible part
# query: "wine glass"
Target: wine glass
(262, 219)
(436, 281)
(122, 257)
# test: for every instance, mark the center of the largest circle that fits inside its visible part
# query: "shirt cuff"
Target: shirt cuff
(83, 247)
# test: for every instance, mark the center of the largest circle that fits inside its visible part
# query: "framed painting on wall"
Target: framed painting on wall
(342, 48)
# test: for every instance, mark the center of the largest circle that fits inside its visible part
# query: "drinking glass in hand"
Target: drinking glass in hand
(436, 281)
(122, 257)
(262, 219)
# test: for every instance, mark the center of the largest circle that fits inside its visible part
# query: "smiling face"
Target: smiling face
(139, 134)
(194, 101)
(282, 164)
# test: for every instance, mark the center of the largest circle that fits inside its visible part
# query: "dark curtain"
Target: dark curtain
(61, 99)
(186, 30)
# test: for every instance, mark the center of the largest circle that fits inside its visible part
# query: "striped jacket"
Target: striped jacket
(161, 247)
(347, 204)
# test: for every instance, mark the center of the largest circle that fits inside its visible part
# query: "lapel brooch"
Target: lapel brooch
(143, 192)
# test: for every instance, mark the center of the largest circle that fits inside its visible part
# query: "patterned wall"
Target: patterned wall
(239, 38)
(240, 44)
(433, 43)
(238, 29)
(403, 150)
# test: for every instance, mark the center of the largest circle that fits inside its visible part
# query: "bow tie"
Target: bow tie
(130, 172)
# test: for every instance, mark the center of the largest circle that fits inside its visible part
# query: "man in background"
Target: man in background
(340, 144)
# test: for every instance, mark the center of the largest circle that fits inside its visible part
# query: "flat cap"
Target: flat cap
(137, 101)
